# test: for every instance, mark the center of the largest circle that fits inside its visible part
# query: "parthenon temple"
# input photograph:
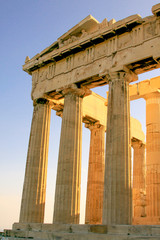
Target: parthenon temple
(121, 203)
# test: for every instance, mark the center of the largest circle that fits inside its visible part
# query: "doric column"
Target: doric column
(34, 189)
(95, 184)
(67, 195)
(117, 204)
(153, 156)
(138, 179)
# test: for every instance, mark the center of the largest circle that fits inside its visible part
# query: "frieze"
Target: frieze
(79, 59)
(124, 41)
(137, 35)
(108, 48)
(111, 45)
(34, 82)
(70, 62)
(90, 54)
(149, 29)
(45, 73)
(143, 30)
(97, 48)
(100, 50)
(113, 53)
(51, 71)
(158, 26)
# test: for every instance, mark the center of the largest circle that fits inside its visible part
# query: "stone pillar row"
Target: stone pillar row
(117, 199)
(67, 196)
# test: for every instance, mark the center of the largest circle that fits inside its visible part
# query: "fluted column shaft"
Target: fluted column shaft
(95, 184)
(138, 179)
(153, 155)
(117, 204)
(67, 195)
(34, 189)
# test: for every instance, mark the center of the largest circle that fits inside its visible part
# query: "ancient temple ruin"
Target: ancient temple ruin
(89, 55)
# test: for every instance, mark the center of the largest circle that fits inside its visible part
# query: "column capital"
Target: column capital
(94, 125)
(153, 95)
(59, 113)
(74, 90)
(126, 74)
(137, 143)
(41, 101)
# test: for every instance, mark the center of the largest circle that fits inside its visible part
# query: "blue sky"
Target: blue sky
(27, 27)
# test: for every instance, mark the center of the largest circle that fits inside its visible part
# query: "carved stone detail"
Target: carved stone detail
(72, 39)
(73, 89)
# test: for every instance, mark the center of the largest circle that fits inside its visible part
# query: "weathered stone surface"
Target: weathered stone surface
(153, 156)
(95, 183)
(34, 189)
(139, 174)
(149, 90)
(67, 195)
(117, 204)
(141, 89)
(156, 9)
(89, 232)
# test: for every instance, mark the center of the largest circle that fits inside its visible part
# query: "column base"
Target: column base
(81, 232)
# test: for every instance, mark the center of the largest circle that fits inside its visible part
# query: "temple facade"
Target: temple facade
(89, 55)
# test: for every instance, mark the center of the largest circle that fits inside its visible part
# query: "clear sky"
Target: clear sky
(26, 28)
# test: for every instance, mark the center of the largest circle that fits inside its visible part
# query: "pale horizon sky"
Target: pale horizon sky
(28, 27)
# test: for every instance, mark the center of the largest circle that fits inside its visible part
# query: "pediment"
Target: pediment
(87, 25)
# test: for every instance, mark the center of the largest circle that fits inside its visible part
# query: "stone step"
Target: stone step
(77, 236)
(82, 232)
(72, 236)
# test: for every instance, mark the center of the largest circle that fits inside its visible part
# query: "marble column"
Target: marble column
(95, 184)
(34, 189)
(67, 194)
(117, 203)
(153, 156)
(138, 179)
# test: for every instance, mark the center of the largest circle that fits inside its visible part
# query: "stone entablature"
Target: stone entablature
(131, 42)
(142, 89)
